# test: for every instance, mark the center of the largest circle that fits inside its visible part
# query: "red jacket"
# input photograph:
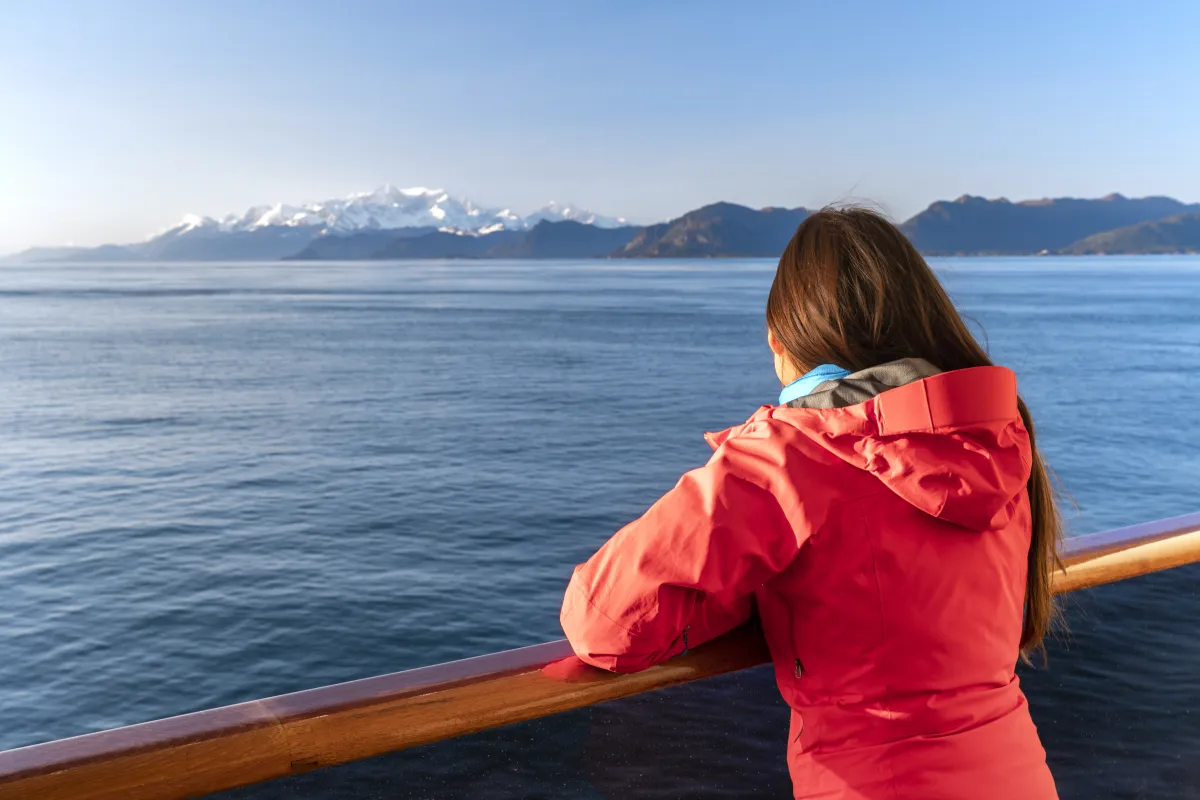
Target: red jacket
(884, 544)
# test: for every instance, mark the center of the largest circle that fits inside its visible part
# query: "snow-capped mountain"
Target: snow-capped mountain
(370, 219)
(391, 208)
(557, 212)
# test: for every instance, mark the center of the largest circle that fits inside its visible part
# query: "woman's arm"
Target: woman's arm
(686, 571)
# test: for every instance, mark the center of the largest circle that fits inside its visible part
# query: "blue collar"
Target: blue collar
(803, 386)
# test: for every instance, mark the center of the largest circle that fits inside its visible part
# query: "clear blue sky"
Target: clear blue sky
(118, 117)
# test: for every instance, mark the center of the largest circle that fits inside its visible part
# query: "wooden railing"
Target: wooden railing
(207, 751)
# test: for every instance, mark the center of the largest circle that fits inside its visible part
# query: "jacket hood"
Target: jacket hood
(951, 444)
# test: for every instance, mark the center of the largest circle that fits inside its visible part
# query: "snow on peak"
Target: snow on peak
(192, 221)
(390, 207)
(392, 194)
(278, 214)
(556, 212)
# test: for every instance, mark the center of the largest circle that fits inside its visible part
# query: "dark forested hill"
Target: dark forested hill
(976, 226)
(721, 229)
(1178, 234)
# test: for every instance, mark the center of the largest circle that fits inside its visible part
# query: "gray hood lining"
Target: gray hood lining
(861, 386)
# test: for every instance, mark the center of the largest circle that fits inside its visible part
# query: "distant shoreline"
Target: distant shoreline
(964, 228)
(609, 260)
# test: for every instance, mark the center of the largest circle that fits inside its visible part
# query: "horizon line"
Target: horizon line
(1111, 196)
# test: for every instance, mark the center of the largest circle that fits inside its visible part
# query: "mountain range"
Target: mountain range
(1177, 234)
(277, 231)
(420, 223)
(977, 226)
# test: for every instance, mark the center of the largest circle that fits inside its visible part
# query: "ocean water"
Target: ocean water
(226, 481)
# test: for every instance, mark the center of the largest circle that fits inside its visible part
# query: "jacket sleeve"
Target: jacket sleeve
(685, 572)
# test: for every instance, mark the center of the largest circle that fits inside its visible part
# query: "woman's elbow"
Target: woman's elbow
(599, 641)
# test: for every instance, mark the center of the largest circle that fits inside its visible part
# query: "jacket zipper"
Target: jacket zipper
(799, 668)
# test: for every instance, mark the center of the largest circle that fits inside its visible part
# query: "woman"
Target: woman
(890, 520)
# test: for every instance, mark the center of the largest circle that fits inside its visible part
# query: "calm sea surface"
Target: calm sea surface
(222, 482)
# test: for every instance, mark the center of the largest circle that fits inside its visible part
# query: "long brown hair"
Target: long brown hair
(851, 290)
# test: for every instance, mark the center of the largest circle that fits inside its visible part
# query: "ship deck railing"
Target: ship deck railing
(222, 748)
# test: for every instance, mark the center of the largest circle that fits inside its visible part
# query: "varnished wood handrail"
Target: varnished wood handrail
(207, 751)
